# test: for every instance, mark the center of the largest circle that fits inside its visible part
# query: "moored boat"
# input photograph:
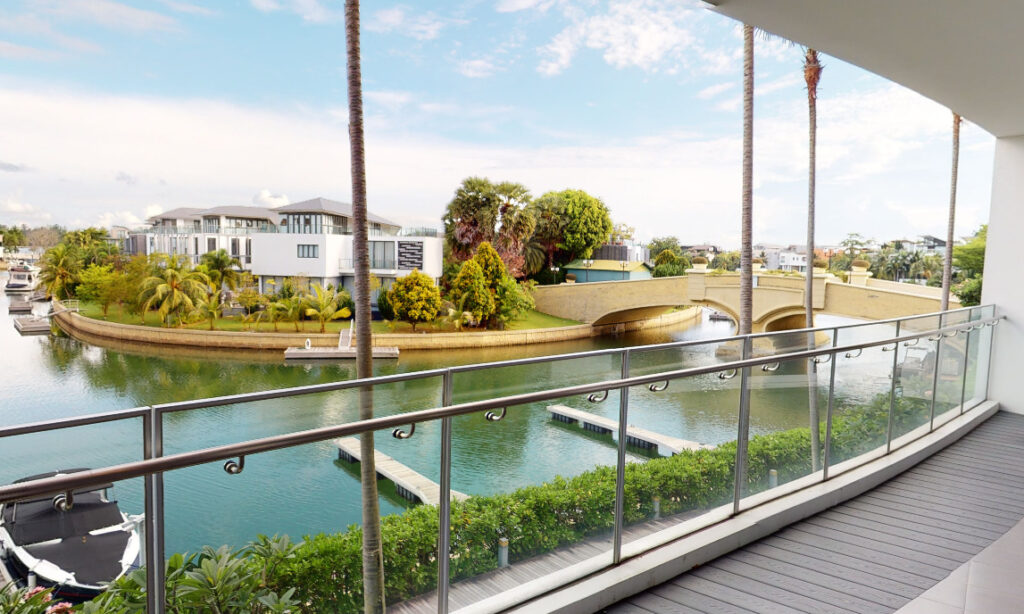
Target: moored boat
(23, 278)
(75, 545)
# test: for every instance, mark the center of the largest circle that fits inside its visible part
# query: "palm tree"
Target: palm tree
(812, 75)
(373, 554)
(210, 308)
(61, 265)
(172, 289)
(746, 232)
(222, 269)
(947, 261)
(323, 306)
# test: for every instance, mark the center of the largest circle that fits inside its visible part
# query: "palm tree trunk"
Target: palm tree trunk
(812, 74)
(947, 261)
(746, 232)
(373, 556)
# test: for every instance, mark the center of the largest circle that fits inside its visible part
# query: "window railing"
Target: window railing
(935, 366)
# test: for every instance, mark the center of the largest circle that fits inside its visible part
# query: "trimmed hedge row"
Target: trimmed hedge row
(326, 570)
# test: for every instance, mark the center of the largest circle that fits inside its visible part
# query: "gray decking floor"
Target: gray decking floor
(874, 553)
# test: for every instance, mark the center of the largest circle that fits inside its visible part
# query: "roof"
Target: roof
(260, 213)
(608, 265)
(181, 213)
(324, 205)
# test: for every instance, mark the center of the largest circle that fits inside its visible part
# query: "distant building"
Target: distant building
(702, 250)
(311, 239)
(628, 252)
(587, 270)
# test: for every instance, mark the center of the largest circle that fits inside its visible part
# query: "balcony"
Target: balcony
(880, 397)
(376, 264)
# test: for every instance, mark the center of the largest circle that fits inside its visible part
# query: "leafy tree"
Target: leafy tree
(415, 298)
(173, 290)
(969, 291)
(210, 308)
(970, 257)
(384, 305)
(222, 269)
(671, 269)
(499, 214)
(323, 306)
(60, 267)
(661, 244)
(855, 244)
(622, 232)
(729, 261)
(587, 223)
(14, 237)
(471, 292)
(512, 300)
(491, 265)
(666, 257)
(97, 283)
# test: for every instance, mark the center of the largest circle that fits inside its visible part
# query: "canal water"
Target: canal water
(307, 490)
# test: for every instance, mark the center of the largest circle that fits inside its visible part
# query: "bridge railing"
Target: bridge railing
(635, 498)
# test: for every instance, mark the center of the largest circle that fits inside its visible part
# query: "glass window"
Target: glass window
(309, 251)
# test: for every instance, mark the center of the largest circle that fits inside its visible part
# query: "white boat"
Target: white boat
(77, 547)
(23, 278)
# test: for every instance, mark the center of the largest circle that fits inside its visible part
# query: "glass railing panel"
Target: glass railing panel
(655, 359)
(681, 441)
(541, 490)
(951, 368)
(979, 356)
(788, 402)
(487, 382)
(914, 381)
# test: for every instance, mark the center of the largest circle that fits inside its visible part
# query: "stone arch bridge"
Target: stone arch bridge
(778, 298)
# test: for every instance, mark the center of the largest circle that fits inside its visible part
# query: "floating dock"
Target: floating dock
(19, 306)
(32, 325)
(635, 436)
(408, 483)
(327, 353)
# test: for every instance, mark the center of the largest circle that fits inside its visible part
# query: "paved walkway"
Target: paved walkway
(932, 540)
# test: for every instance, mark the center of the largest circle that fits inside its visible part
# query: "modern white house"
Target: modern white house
(310, 239)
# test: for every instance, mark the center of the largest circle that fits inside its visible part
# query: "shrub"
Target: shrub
(700, 260)
(668, 270)
(470, 290)
(414, 298)
(384, 305)
(666, 257)
(820, 263)
(859, 262)
(758, 261)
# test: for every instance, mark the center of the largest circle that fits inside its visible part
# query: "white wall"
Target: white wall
(1004, 282)
(277, 255)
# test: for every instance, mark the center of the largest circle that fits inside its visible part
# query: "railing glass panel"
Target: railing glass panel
(979, 357)
(914, 379)
(952, 365)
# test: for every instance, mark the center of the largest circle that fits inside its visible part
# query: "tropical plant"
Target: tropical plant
(669, 269)
(969, 291)
(384, 307)
(415, 298)
(323, 306)
(512, 300)
(470, 290)
(491, 265)
(587, 223)
(60, 267)
(172, 289)
(549, 213)
(662, 244)
(223, 270)
(372, 548)
(209, 308)
(970, 257)
(947, 260)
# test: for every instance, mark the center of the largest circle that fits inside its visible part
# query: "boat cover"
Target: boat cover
(94, 559)
(37, 521)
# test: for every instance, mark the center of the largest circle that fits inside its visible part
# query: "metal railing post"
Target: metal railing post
(892, 392)
(935, 377)
(967, 355)
(444, 508)
(743, 429)
(828, 409)
(153, 447)
(620, 464)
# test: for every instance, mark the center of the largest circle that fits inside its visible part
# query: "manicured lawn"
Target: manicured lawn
(533, 319)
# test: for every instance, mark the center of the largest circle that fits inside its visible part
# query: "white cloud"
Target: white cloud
(512, 6)
(109, 14)
(478, 68)
(265, 6)
(117, 218)
(28, 23)
(17, 212)
(266, 198)
(400, 20)
(312, 11)
(152, 210)
(714, 90)
(125, 178)
(391, 100)
(188, 8)
(13, 51)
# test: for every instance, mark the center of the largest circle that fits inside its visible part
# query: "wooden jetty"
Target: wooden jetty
(408, 483)
(635, 436)
(327, 353)
(28, 325)
(19, 306)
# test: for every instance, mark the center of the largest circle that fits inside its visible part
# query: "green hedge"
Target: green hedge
(327, 568)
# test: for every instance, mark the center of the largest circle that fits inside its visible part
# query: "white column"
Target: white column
(1004, 275)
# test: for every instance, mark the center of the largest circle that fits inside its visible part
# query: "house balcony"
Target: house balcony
(876, 404)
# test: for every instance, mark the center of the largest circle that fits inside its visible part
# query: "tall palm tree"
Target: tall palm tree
(812, 75)
(222, 269)
(947, 261)
(746, 232)
(172, 290)
(373, 554)
(210, 308)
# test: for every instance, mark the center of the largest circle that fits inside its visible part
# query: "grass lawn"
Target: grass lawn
(533, 319)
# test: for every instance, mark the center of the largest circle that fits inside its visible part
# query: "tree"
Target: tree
(491, 265)
(662, 244)
(324, 306)
(549, 231)
(499, 214)
(969, 291)
(947, 261)
(173, 290)
(747, 208)
(223, 270)
(516, 225)
(471, 292)
(666, 257)
(970, 257)
(673, 269)
(812, 76)
(288, 309)
(210, 308)
(621, 233)
(415, 298)
(854, 244)
(727, 261)
(373, 553)
(512, 300)
(14, 237)
(60, 267)
(587, 223)
(96, 283)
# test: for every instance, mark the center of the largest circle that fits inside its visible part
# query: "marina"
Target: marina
(408, 483)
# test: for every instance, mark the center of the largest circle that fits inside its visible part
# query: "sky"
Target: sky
(115, 110)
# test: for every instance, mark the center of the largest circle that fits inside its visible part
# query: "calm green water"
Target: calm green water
(306, 490)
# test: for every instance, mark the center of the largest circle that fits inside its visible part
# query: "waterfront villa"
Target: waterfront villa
(311, 239)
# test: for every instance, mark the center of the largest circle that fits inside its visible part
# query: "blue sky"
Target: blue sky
(115, 110)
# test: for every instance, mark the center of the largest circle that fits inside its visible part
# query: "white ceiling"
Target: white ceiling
(965, 54)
